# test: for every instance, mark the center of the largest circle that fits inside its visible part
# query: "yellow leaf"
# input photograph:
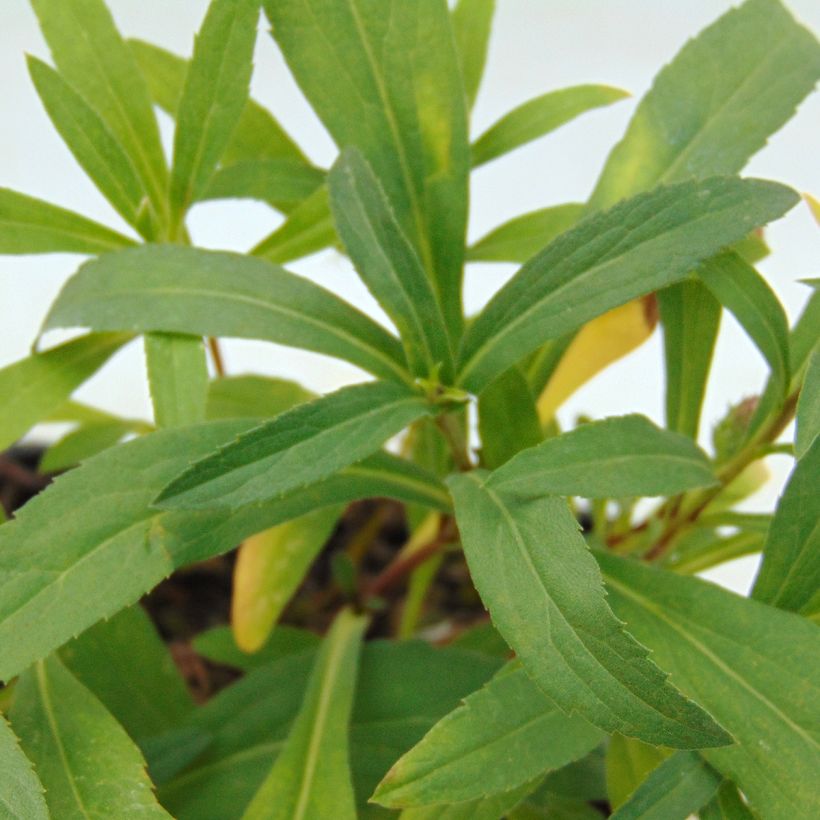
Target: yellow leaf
(814, 206)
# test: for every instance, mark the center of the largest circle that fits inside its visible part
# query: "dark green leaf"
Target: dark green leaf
(637, 247)
(749, 664)
(384, 77)
(85, 760)
(34, 387)
(21, 793)
(260, 397)
(525, 235)
(177, 377)
(29, 225)
(616, 457)
(472, 20)
(545, 595)
(275, 181)
(484, 808)
(212, 293)
(218, 645)
(808, 406)
(388, 264)
(535, 118)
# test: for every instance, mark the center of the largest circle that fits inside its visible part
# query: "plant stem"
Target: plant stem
(456, 441)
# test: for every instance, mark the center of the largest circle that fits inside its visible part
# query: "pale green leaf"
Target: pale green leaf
(29, 225)
(126, 664)
(808, 406)
(751, 665)
(91, 544)
(384, 77)
(628, 762)
(297, 448)
(472, 21)
(637, 247)
(177, 378)
(275, 181)
(82, 443)
(85, 760)
(789, 577)
(260, 397)
(93, 58)
(503, 737)
(537, 117)
(727, 805)
(36, 386)
(388, 263)
(545, 595)
(214, 95)
(213, 293)
(87, 136)
(218, 645)
(616, 457)
(525, 235)
(21, 793)
(677, 788)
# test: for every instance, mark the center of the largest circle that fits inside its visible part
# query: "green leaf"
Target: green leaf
(743, 291)
(616, 457)
(218, 645)
(790, 572)
(503, 737)
(21, 793)
(29, 225)
(484, 808)
(86, 762)
(297, 448)
(680, 786)
(211, 293)
(94, 146)
(727, 805)
(808, 406)
(691, 320)
(269, 568)
(628, 763)
(551, 609)
(472, 21)
(525, 235)
(387, 263)
(177, 377)
(93, 58)
(507, 418)
(716, 103)
(34, 387)
(308, 229)
(311, 776)
(82, 443)
(749, 664)
(275, 181)
(537, 117)
(125, 663)
(385, 77)
(637, 247)
(113, 547)
(214, 95)
(260, 397)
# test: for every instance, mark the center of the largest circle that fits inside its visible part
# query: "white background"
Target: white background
(537, 45)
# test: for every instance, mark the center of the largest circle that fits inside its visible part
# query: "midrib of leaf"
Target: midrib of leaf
(614, 460)
(281, 309)
(689, 637)
(534, 305)
(69, 232)
(42, 683)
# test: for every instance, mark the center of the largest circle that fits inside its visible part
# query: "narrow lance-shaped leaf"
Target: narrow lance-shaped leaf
(790, 574)
(113, 546)
(749, 664)
(84, 442)
(29, 225)
(388, 264)
(87, 136)
(21, 793)
(178, 378)
(279, 182)
(535, 118)
(484, 808)
(311, 777)
(259, 397)
(545, 595)
(212, 293)
(219, 645)
(385, 77)
(628, 764)
(637, 247)
(727, 805)
(472, 21)
(87, 763)
(808, 406)
(616, 457)
(92, 56)
(213, 97)
(36, 386)
(679, 787)
(297, 448)
(503, 736)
